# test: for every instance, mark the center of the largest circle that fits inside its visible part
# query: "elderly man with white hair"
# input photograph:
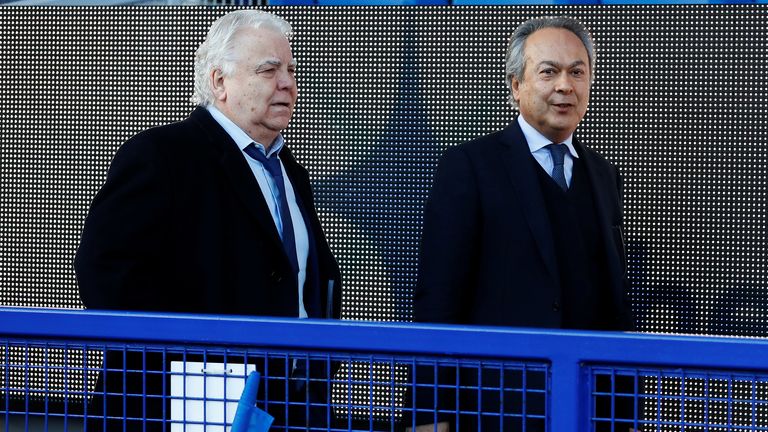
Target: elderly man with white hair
(213, 214)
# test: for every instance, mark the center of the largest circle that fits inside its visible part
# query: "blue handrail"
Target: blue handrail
(387, 337)
(566, 351)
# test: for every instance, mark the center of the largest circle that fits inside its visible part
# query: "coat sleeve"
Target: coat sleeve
(447, 259)
(627, 319)
(119, 263)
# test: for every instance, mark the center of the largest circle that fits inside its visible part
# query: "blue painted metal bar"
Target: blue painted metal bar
(405, 338)
(575, 358)
(566, 400)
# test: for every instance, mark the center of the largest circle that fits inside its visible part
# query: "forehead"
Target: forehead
(555, 44)
(262, 43)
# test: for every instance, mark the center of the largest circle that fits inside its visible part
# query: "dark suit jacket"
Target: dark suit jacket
(487, 254)
(181, 225)
(488, 258)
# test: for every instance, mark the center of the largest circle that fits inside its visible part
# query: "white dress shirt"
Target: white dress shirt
(538, 143)
(271, 195)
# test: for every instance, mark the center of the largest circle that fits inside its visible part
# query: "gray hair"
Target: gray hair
(514, 63)
(218, 49)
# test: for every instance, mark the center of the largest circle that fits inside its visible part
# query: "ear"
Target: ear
(515, 88)
(218, 88)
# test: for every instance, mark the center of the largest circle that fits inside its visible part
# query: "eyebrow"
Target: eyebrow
(273, 62)
(559, 65)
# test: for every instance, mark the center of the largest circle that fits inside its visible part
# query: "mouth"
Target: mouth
(281, 104)
(562, 105)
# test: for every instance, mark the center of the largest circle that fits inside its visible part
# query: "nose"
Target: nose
(563, 84)
(286, 80)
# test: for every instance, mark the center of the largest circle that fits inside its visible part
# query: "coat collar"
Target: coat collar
(236, 171)
(517, 159)
(520, 170)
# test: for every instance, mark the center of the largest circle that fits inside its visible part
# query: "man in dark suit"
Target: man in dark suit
(213, 214)
(523, 227)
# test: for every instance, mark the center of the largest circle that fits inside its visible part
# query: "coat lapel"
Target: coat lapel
(524, 181)
(239, 175)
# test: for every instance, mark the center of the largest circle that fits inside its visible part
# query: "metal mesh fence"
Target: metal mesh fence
(159, 387)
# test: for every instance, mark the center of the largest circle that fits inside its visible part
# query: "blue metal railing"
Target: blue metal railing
(673, 381)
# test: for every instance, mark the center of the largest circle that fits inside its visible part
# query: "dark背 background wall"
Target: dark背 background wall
(679, 104)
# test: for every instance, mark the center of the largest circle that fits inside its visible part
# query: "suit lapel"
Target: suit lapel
(239, 175)
(517, 159)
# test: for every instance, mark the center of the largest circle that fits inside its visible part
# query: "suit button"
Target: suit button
(556, 306)
(275, 277)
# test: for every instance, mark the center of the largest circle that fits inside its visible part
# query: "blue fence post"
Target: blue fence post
(569, 394)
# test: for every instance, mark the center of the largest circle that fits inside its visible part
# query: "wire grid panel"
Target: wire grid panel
(480, 394)
(131, 387)
(678, 400)
(45, 370)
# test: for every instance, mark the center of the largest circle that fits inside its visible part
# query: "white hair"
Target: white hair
(218, 49)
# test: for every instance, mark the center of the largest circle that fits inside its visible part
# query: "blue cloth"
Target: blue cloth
(272, 164)
(537, 144)
(249, 418)
(558, 157)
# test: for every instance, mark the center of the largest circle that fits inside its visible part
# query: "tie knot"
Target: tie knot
(272, 164)
(558, 152)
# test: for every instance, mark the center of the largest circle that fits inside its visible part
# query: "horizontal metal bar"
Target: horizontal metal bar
(404, 338)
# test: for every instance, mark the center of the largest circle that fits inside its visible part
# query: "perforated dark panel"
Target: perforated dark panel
(679, 105)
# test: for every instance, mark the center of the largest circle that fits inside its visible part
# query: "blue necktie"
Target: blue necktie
(272, 165)
(558, 158)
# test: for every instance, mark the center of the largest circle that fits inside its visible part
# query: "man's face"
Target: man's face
(259, 95)
(554, 93)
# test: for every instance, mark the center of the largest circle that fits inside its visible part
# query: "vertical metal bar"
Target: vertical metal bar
(683, 398)
(125, 388)
(590, 378)
(164, 385)
(328, 392)
(730, 400)
(144, 373)
(753, 402)
(103, 389)
(414, 389)
(205, 388)
(183, 395)
(635, 399)
(567, 390)
(392, 393)
(47, 388)
(304, 375)
(612, 399)
(502, 373)
(26, 386)
(349, 393)
(457, 392)
(479, 395)
(286, 373)
(524, 385)
(7, 383)
(225, 394)
(659, 383)
(86, 380)
(370, 392)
